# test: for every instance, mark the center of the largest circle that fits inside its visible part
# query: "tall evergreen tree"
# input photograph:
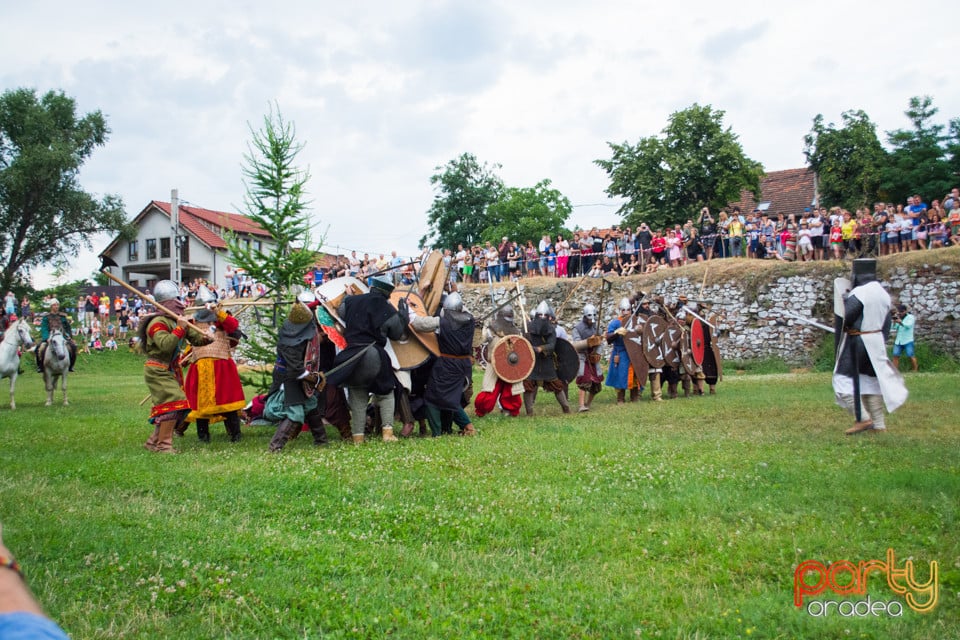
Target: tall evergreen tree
(275, 200)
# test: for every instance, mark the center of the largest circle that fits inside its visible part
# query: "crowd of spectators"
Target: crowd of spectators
(816, 233)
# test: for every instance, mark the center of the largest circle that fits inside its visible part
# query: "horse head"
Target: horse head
(57, 344)
(23, 333)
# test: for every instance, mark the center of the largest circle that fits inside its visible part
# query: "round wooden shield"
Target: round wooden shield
(673, 335)
(433, 275)
(686, 356)
(698, 342)
(672, 357)
(566, 359)
(331, 294)
(481, 355)
(414, 347)
(653, 332)
(633, 341)
(512, 358)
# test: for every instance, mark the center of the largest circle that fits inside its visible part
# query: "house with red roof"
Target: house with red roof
(203, 248)
(788, 191)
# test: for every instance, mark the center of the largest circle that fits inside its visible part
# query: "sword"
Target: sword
(805, 320)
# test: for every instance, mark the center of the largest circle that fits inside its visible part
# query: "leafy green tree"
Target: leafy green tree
(527, 213)
(464, 190)
(275, 200)
(44, 213)
(696, 163)
(919, 161)
(848, 160)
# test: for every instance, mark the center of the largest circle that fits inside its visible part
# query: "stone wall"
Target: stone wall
(754, 319)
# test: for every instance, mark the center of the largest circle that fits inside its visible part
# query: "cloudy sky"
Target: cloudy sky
(383, 93)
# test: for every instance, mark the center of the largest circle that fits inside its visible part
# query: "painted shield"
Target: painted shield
(686, 355)
(566, 359)
(673, 336)
(633, 341)
(481, 355)
(331, 294)
(653, 333)
(672, 357)
(512, 358)
(433, 275)
(414, 347)
(698, 342)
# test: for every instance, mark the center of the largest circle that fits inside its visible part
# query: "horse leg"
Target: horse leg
(49, 384)
(13, 387)
(63, 385)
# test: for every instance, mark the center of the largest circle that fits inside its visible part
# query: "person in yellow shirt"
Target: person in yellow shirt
(849, 229)
(736, 235)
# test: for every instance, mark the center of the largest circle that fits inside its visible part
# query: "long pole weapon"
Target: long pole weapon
(106, 261)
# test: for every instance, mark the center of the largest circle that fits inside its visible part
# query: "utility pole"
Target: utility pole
(174, 236)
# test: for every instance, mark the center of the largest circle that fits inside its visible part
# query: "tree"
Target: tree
(459, 211)
(918, 162)
(848, 160)
(527, 213)
(44, 213)
(274, 199)
(697, 163)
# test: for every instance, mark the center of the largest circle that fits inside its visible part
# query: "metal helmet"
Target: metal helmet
(625, 306)
(307, 297)
(166, 290)
(590, 312)
(382, 283)
(506, 312)
(453, 302)
(544, 310)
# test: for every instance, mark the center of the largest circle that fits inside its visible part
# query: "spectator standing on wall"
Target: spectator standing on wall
(903, 323)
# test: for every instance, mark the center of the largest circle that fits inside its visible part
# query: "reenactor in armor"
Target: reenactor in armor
(542, 335)
(694, 376)
(51, 322)
(619, 374)
(588, 343)
(493, 388)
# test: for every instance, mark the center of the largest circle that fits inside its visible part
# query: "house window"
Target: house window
(257, 246)
(164, 247)
(184, 249)
(132, 251)
(151, 244)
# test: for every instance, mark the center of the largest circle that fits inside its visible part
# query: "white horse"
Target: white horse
(14, 337)
(56, 363)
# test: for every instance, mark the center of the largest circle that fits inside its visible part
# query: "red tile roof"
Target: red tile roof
(208, 225)
(789, 191)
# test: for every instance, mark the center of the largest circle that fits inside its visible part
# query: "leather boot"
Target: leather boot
(562, 399)
(407, 430)
(634, 395)
(358, 438)
(284, 432)
(529, 397)
(468, 430)
(232, 423)
(203, 429)
(319, 431)
(620, 396)
(151, 443)
(180, 428)
(685, 383)
(165, 437)
(672, 390)
(388, 435)
(713, 389)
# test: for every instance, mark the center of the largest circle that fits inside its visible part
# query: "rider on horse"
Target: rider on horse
(51, 322)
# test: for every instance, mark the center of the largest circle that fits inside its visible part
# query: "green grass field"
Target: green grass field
(684, 519)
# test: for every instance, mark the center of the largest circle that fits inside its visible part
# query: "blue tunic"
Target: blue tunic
(619, 370)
